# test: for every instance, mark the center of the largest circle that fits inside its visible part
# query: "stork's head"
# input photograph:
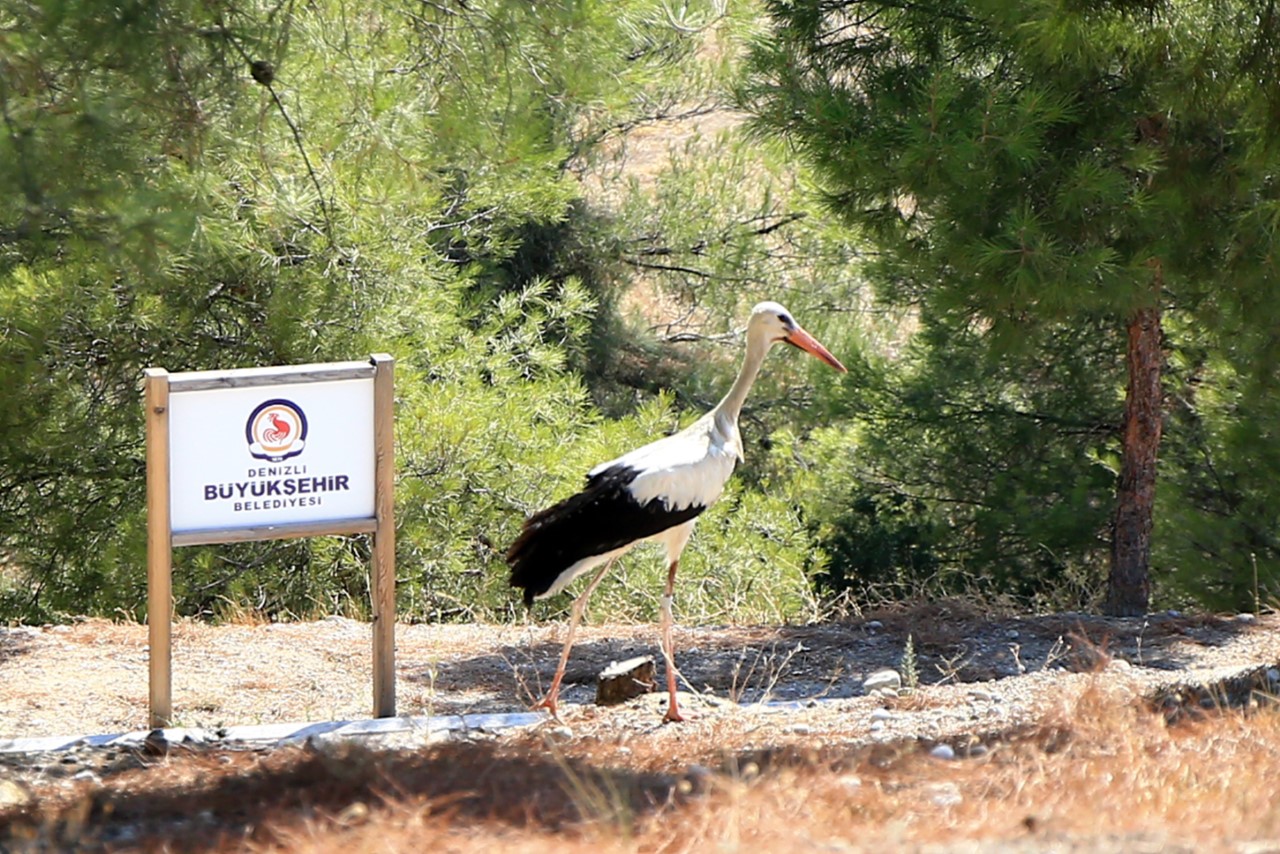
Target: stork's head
(775, 324)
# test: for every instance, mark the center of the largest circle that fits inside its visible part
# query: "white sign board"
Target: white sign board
(246, 457)
(263, 454)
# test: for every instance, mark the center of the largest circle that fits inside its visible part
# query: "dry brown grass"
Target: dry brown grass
(1099, 774)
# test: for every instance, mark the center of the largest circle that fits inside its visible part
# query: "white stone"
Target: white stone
(882, 679)
(799, 729)
(876, 726)
(1012, 634)
(12, 794)
(874, 625)
(881, 715)
(943, 751)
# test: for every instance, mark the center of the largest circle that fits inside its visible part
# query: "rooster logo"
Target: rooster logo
(276, 430)
(279, 429)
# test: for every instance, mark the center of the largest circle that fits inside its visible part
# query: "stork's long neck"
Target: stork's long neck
(728, 408)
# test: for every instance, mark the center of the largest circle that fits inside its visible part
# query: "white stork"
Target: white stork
(652, 493)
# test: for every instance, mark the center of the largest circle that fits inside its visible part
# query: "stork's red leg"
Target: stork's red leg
(668, 649)
(579, 605)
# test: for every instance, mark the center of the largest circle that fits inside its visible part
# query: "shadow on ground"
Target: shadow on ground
(213, 800)
(940, 642)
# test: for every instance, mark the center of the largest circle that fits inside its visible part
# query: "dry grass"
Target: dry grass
(1100, 774)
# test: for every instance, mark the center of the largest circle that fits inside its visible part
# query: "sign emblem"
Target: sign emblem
(276, 430)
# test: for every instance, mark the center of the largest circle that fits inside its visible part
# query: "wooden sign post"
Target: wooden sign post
(270, 453)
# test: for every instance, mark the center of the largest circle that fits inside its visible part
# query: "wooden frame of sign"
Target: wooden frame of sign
(160, 387)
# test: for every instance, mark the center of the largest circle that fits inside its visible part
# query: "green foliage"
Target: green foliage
(200, 186)
(225, 184)
(972, 461)
(1023, 168)
(1219, 525)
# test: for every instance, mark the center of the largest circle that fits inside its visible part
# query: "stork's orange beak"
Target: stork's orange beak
(804, 341)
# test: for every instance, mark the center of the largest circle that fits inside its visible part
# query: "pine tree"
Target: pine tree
(1024, 164)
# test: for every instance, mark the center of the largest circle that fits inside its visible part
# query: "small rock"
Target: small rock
(356, 812)
(874, 625)
(694, 781)
(624, 680)
(876, 726)
(1247, 618)
(1273, 675)
(881, 715)
(1173, 613)
(943, 751)
(982, 694)
(559, 733)
(882, 679)
(850, 781)
(13, 794)
(799, 729)
(1119, 664)
(624, 751)
(86, 774)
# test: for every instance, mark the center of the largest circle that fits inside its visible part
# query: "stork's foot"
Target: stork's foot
(673, 716)
(549, 703)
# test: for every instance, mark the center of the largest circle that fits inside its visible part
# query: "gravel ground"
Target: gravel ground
(964, 681)
(971, 671)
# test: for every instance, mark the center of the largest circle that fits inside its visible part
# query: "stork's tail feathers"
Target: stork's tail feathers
(559, 542)
(534, 564)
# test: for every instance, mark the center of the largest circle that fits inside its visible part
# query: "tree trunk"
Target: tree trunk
(1129, 585)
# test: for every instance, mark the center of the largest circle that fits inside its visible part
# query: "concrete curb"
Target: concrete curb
(264, 735)
(280, 734)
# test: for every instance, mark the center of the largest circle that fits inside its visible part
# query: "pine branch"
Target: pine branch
(263, 74)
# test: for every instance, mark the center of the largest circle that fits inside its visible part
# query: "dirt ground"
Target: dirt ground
(91, 677)
(971, 681)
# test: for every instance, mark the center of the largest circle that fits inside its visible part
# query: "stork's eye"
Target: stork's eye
(786, 320)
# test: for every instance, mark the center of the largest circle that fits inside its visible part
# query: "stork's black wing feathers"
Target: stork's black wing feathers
(602, 517)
